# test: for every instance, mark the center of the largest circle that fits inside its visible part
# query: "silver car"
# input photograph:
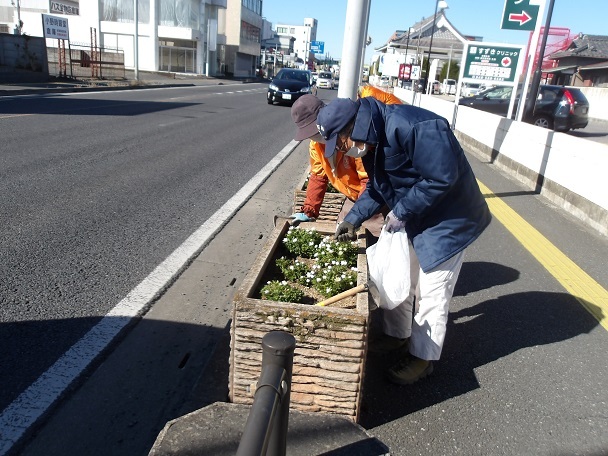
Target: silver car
(326, 80)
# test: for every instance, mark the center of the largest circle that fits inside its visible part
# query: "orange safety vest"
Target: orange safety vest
(350, 176)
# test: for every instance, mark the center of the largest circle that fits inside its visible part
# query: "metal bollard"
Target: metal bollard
(265, 432)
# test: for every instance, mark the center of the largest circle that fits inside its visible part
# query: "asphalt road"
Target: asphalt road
(100, 188)
(88, 216)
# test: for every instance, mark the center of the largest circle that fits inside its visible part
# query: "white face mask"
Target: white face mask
(356, 152)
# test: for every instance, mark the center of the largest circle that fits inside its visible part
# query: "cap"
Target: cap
(304, 114)
(333, 118)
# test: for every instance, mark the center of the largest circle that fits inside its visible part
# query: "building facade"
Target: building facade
(212, 37)
(304, 35)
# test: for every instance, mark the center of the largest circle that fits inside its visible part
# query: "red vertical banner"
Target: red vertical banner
(405, 70)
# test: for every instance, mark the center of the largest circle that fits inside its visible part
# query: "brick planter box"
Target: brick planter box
(330, 208)
(331, 348)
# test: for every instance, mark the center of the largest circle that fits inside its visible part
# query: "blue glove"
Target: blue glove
(301, 217)
(392, 223)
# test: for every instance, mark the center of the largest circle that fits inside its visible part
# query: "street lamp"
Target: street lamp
(439, 4)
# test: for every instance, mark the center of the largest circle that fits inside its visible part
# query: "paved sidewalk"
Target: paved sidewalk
(145, 80)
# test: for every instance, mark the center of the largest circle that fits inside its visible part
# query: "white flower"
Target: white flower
(284, 282)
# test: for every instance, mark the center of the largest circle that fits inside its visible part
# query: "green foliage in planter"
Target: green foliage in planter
(301, 242)
(281, 291)
(333, 252)
(315, 262)
(329, 279)
(293, 270)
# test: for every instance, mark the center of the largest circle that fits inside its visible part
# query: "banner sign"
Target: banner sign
(489, 62)
(67, 7)
(55, 27)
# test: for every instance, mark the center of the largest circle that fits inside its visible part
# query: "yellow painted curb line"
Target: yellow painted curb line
(577, 282)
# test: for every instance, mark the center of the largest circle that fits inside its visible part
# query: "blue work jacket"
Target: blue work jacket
(419, 170)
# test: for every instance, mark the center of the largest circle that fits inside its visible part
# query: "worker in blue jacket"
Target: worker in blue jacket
(418, 169)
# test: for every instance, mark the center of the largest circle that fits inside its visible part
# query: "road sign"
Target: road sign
(317, 47)
(490, 62)
(520, 14)
(415, 73)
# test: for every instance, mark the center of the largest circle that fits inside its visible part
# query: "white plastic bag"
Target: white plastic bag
(388, 265)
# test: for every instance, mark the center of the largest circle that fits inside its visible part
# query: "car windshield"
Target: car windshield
(325, 75)
(498, 92)
(295, 75)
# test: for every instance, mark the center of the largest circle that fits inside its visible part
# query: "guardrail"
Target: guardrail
(265, 432)
(567, 170)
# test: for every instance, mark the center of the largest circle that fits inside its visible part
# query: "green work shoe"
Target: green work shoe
(385, 344)
(409, 370)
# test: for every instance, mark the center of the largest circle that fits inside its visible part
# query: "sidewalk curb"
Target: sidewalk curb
(51, 90)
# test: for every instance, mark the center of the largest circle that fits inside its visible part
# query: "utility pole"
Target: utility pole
(352, 48)
(19, 23)
(136, 49)
(531, 100)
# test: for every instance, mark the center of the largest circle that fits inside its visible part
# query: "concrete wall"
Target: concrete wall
(569, 171)
(23, 52)
(598, 101)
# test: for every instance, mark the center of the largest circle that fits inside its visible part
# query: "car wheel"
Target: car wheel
(543, 122)
(269, 98)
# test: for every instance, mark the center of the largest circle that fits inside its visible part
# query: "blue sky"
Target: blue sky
(470, 17)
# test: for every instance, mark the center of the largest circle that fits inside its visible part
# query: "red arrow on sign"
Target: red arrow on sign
(521, 18)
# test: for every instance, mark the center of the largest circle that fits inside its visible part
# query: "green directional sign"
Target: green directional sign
(520, 14)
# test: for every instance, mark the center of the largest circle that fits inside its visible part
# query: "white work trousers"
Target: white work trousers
(433, 291)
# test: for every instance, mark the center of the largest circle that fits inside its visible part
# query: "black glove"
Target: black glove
(345, 232)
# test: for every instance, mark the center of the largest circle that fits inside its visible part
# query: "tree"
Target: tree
(454, 70)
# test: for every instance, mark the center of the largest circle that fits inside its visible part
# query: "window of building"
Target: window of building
(292, 30)
(123, 11)
(282, 30)
(181, 13)
(253, 5)
(250, 32)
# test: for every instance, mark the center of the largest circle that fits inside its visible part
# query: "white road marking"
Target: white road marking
(30, 405)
